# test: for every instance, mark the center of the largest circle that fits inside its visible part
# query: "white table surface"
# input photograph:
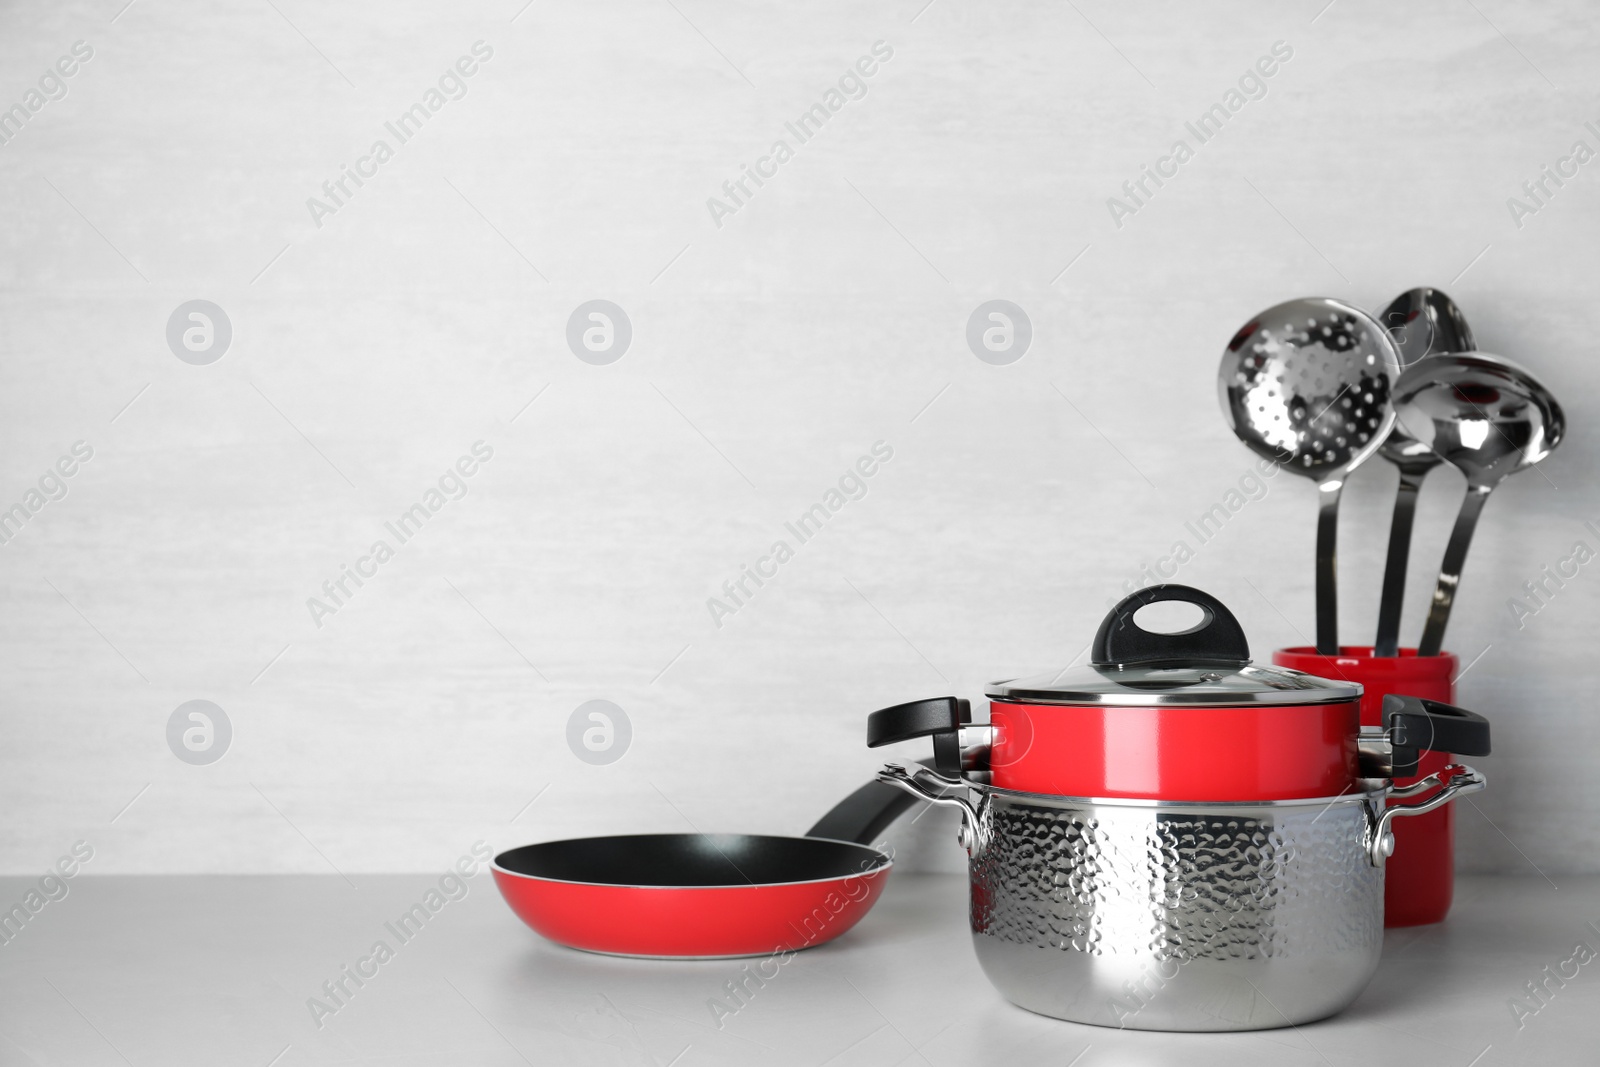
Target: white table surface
(217, 970)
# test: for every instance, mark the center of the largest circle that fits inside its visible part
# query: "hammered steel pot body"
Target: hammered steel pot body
(1154, 915)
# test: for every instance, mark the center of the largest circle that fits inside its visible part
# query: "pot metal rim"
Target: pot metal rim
(1176, 687)
(1371, 790)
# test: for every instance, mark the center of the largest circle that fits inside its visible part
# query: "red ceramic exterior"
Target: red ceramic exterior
(1196, 753)
(744, 920)
(1420, 880)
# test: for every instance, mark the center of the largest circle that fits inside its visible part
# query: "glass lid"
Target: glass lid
(1215, 685)
(1205, 665)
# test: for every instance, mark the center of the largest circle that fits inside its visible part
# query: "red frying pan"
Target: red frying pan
(706, 896)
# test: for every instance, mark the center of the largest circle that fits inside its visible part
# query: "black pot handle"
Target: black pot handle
(1217, 639)
(940, 718)
(1416, 725)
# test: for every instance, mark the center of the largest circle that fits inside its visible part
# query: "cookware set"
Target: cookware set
(1172, 814)
(1170, 836)
(1290, 380)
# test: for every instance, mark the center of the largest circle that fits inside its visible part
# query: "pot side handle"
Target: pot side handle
(1416, 725)
(930, 785)
(940, 718)
(1456, 780)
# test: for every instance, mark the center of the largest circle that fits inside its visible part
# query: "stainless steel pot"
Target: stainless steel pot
(1166, 915)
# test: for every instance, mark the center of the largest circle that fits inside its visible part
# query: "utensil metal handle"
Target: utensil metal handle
(1394, 569)
(1327, 568)
(1455, 557)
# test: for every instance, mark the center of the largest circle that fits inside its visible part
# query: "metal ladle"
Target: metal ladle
(1488, 418)
(1307, 384)
(1422, 322)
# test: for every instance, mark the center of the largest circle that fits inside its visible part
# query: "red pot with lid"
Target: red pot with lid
(1178, 716)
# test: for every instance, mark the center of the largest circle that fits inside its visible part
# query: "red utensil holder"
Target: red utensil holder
(1421, 874)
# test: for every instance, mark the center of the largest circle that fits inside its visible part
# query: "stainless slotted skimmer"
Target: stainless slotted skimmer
(1307, 384)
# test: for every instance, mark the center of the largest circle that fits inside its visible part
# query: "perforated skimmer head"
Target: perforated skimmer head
(1308, 384)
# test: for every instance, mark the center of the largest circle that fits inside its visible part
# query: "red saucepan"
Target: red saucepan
(1175, 716)
(706, 895)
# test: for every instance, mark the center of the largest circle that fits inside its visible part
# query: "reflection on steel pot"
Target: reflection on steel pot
(1163, 915)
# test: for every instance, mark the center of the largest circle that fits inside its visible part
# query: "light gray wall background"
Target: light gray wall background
(767, 355)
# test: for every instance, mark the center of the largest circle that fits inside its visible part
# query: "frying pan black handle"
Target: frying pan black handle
(1416, 725)
(864, 815)
(940, 718)
(1217, 639)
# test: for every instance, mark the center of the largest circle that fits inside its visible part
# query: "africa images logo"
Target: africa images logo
(451, 85)
(851, 486)
(1252, 85)
(52, 86)
(852, 85)
(452, 485)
